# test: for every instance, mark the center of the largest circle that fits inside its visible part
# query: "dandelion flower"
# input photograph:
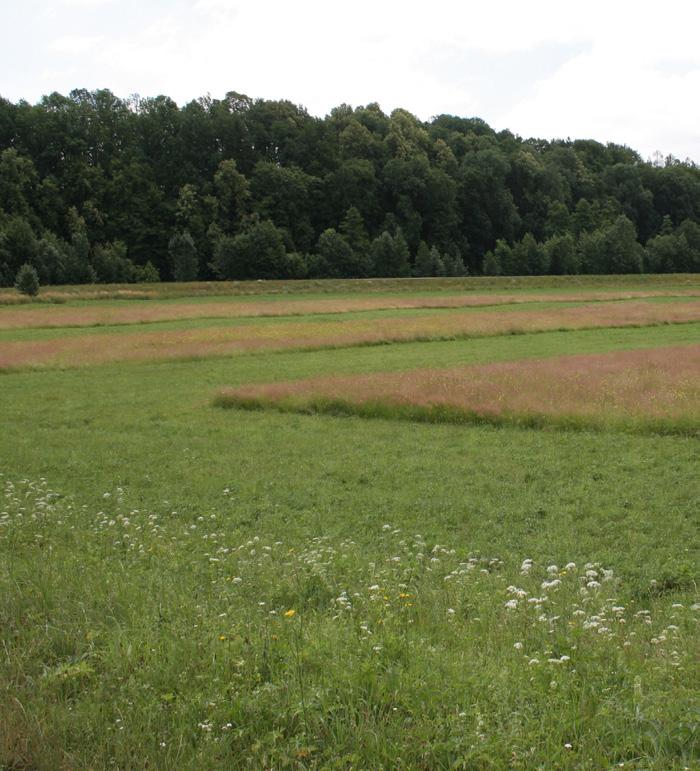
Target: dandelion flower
(290, 613)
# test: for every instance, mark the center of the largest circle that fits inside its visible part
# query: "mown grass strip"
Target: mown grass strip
(169, 290)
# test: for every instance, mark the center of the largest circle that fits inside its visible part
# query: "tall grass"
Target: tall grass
(456, 415)
(135, 638)
(311, 334)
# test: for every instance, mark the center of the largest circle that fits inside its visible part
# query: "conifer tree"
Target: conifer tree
(27, 281)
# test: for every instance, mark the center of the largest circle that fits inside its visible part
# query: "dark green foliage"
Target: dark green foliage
(283, 196)
(674, 250)
(561, 255)
(503, 257)
(558, 219)
(183, 256)
(390, 255)
(18, 245)
(51, 252)
(428, 262)
(492, 265)
(527, 258)
(691, 232)
(664, 252)
(146, 274)
(112, 265)
(612, 249)
(353, 229)
(536, 257)
(232, 194)
(136, 171)
(75, 268)
(453, 263)
(297, 265)
(259, 252)
(624, 253)
(337, 258)
(18, 183)
(27, 281)
(591, 252)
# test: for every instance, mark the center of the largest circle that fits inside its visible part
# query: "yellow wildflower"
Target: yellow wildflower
(290, 613)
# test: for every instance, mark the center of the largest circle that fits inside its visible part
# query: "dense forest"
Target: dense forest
(98, 188)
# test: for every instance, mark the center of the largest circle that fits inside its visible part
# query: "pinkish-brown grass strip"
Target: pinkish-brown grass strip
(308, 334)
(659, 383)
(48, 316)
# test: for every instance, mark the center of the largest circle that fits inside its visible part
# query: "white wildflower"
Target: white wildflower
(551, 584)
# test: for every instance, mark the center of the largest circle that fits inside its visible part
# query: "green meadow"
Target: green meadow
(186, 586)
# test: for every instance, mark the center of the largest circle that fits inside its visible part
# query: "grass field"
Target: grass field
(183, 586)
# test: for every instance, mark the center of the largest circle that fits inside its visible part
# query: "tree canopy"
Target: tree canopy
(94, 187)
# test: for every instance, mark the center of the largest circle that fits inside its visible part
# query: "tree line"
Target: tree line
(98, 188)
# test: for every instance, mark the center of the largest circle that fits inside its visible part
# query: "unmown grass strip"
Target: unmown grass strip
(308, 335)
(205, 322)
(454, 415)
(655, 391)
(104, 315)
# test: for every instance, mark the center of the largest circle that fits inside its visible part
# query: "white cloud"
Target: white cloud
(86, 3)
(622, 71)
(75, 44)
(616, 94)
(217, 9)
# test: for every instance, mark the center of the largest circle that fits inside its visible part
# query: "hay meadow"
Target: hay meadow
(196, 572)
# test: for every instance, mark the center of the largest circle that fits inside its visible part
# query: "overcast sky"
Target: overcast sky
(613, 70)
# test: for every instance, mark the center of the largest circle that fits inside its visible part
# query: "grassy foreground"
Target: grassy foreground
(187, 587)
(195, 649)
